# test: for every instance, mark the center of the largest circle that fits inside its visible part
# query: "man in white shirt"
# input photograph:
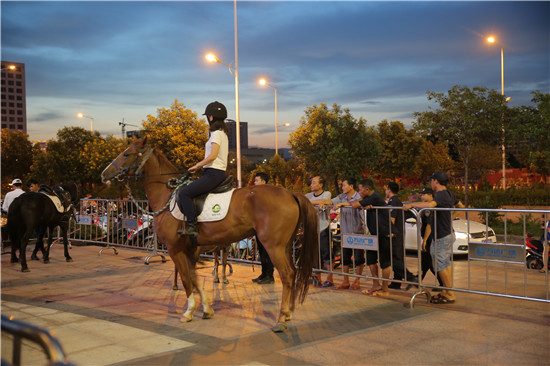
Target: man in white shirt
(317, 196)
(13, 194)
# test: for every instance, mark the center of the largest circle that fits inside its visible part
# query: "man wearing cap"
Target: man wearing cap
(442, 233)
(13, 194)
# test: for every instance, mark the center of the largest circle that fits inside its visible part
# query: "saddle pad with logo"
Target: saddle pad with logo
(215, 207)
(57, 203)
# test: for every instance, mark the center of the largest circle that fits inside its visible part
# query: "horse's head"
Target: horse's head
(129, 162)
(72, 189)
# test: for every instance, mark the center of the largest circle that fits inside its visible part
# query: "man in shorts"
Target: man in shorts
(443, 235)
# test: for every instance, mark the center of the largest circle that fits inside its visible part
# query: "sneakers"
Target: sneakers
(267, 280)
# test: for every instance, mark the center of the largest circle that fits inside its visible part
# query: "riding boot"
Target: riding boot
(191, 229)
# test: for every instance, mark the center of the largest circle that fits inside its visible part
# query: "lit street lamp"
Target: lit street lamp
(493, 40)
(212, 58)
(264, 82)
(81, 115)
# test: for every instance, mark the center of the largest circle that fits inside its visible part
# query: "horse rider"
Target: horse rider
(214, 165)
(16, 191)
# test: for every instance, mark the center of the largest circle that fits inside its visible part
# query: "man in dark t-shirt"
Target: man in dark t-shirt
(442, 233)
(378, 223)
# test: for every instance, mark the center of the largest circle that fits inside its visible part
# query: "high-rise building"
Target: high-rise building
(14, 104)
(232, 134)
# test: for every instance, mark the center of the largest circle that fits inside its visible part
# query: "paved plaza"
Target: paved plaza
(114, 310)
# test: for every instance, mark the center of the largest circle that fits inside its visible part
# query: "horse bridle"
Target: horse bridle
(138, 164)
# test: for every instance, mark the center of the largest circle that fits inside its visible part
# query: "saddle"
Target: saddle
(211, 206)
(60, 197)
(224, 186)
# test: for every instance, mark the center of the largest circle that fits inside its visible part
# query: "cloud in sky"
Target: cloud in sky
(114, 60)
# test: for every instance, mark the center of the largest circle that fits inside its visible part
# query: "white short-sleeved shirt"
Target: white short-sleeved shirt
(218, 137)
(10, 196)
(323, 214)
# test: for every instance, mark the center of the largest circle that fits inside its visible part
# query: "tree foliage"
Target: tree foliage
(98, 154)
(178, 133)
(64, 159)
(465, 118)
(332, 143)
(17, 151)
(400, 148)
(530, 129)
(432, 157)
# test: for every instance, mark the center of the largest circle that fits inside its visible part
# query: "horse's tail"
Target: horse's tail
(310, 246)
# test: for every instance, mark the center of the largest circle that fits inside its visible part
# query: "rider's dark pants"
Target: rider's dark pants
(210, 180)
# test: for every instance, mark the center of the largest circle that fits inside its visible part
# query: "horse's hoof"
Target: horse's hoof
(46, 260)
(208, 315)
(280, 327)
(34, 257)
(226, 282)
(174, 288)
(69, 259)
(187, 318)
(216, 280)
(25, 269)
(14, 260)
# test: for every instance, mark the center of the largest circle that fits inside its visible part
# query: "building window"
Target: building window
(12, 127)
(4, 125)
(20, 127)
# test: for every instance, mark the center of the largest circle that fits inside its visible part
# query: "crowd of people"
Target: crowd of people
(356, 197)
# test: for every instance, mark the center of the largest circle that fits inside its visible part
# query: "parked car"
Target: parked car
(465, 231)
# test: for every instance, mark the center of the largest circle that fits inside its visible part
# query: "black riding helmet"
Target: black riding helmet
(217, 110)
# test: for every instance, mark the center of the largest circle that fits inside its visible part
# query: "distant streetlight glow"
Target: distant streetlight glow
(211, 58)
(82, 115)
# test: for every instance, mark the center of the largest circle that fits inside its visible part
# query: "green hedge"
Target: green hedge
(497, 198)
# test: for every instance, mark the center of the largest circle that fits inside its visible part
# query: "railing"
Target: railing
(20, 330)
(117, 223)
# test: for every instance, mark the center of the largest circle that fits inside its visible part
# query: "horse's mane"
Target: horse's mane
(163, 159)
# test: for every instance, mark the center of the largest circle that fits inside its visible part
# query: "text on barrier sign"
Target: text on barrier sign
(511, 253)
(359, 241)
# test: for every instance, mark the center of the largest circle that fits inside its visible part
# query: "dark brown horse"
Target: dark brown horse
(271, 213)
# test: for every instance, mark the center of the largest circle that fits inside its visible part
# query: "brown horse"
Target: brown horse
(271, 213)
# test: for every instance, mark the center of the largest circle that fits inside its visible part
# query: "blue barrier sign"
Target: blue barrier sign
(359, 241)
(84, 219)
(495, 252)
(131, 224)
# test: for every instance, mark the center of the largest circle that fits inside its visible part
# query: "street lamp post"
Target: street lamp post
(493, 40)
(212, 58)
(81, 115)
(264, 82)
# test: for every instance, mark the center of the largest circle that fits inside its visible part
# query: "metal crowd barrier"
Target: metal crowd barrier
(20, 331)
(118, 223)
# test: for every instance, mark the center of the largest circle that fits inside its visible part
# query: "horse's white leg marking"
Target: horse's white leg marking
(191, 307)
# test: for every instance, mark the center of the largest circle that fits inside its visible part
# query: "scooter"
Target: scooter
(535, 251)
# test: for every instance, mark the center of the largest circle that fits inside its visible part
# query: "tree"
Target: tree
(64, 159)
(465, 117)
(432, 157)
(98, 154)
(530, 129)
(333, 143)
(400, 148)
(16, 150)
(178, 133)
